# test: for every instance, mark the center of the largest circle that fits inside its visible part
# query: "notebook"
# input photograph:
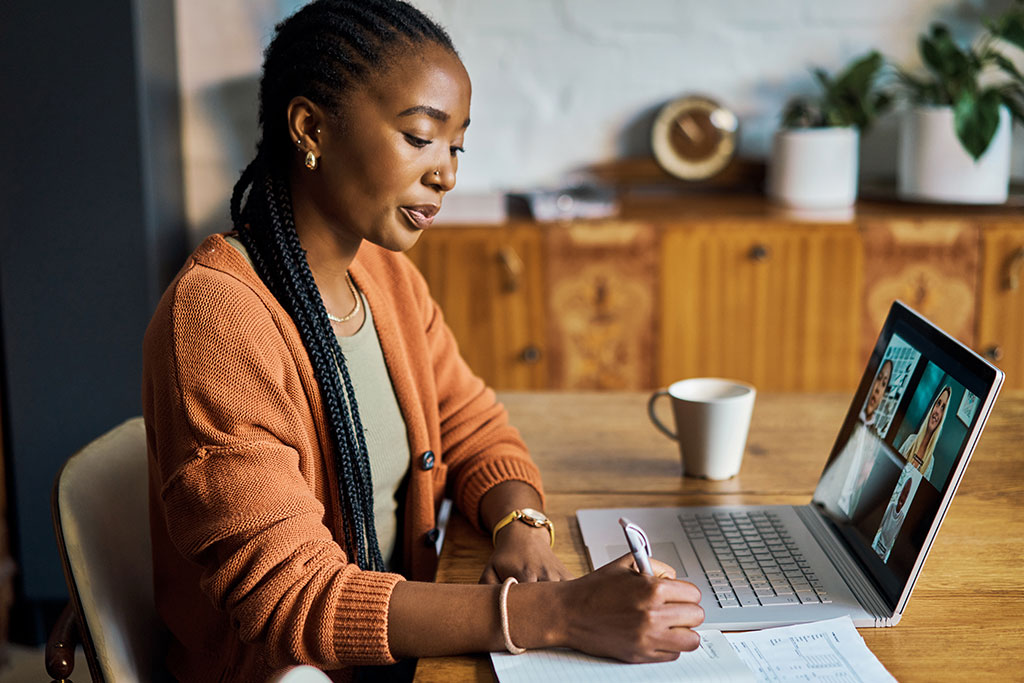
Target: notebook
(858, 547)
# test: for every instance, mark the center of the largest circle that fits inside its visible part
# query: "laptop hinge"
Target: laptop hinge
(865, 592)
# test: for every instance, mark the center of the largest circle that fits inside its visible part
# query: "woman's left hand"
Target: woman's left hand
(524, 552)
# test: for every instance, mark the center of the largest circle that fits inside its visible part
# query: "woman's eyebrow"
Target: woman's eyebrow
(432, 112)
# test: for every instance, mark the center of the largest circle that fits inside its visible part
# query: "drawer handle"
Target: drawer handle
(512, 268)
(759, 253)
(993, 353)
(530, 355)
(1016, 261)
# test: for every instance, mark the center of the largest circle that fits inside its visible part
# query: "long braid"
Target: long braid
(321, 52)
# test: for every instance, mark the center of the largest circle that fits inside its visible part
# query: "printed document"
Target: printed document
(829, 650)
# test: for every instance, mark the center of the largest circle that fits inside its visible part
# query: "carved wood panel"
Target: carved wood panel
(602, 280)
(929, 264)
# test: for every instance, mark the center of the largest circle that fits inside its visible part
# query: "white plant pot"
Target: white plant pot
(814, 168)
(935, 167)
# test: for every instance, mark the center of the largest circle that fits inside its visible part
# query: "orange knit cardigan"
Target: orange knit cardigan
(249, 576)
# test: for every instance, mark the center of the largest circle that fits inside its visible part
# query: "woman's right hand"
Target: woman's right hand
(616, 612)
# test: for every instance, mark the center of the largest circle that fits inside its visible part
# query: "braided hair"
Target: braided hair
(321, 52)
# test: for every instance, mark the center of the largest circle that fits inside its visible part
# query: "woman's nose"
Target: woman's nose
(442, 177)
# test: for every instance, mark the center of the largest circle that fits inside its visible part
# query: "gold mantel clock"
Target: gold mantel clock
(694, 137)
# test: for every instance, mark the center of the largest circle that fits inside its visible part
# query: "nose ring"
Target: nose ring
(437, 173)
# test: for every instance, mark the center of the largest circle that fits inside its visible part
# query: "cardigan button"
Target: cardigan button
(430, 538)
(427, 460)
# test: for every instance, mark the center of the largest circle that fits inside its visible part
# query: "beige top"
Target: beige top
(387, 442)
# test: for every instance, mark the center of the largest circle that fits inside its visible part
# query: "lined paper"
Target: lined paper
(713, 662)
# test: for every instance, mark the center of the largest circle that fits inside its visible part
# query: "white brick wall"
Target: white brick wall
(563, 83)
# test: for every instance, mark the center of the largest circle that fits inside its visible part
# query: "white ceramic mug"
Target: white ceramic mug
(712, 420)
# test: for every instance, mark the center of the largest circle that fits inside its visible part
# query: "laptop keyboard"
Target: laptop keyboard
(751, 560)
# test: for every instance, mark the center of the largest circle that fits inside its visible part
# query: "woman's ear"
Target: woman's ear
(304, 124)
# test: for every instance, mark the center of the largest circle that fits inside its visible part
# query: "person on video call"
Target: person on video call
(895, 512)
(307, 408)
(919, 447)
(846, 476)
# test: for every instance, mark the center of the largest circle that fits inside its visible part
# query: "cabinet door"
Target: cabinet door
(601, 331)
(777, 306)
(1001, 300)
(930, 264)
(489, 284)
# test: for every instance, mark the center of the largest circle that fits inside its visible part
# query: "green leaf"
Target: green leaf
(823, 79)
(1016, 107)
(1008, 66)
(1011, 28)
(976, 120)
(941, 54)
(861, 74)
(799, 113)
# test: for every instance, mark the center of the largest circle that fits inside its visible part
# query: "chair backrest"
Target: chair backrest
(300, 674)
(101, 514)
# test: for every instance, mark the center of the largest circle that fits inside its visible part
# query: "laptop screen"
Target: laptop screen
(916, 414)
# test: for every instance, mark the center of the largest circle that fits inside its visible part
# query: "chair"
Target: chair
(101, 517)
(300, 674)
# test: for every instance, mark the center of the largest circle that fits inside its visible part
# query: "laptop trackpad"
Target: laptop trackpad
(666, 552)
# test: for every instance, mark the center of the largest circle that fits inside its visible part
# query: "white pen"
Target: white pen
(638, 545)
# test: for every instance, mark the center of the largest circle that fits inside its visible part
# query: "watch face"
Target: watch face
(531, 515)
(694, 137)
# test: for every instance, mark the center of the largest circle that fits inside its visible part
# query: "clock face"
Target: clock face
(694, 137)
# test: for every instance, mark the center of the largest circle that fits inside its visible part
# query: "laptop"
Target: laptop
(858, 547)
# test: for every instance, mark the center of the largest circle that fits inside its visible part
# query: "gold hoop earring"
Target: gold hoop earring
(310, 160)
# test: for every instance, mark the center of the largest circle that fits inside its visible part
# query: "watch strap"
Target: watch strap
(518, 515)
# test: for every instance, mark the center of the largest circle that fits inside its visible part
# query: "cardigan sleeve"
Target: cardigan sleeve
(480, 446)
(231, 441)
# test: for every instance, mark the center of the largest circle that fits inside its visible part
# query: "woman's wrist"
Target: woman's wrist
(538, 614)
(519, 534)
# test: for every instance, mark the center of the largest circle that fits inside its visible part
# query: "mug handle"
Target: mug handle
(654, 418)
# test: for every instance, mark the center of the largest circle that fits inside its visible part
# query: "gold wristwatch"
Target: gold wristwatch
(527, 516)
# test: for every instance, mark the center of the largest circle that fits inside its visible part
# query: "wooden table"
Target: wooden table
(966, 617)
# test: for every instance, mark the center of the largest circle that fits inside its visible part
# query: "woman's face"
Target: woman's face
(938, 410)
(388, 160)
(878, 388)
(901, 501)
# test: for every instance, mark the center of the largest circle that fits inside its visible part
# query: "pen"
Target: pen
(638, 545)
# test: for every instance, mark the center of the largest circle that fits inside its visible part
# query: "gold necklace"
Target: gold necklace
(355, 309)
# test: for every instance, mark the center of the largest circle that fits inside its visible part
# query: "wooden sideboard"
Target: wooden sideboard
(724, 285)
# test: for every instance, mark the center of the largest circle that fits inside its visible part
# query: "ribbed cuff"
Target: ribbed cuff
(361, 620)
(489, 474)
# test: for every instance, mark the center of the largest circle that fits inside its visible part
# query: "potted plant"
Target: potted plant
(955, 141)
(814, 160)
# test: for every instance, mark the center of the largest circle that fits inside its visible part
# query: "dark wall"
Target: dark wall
(93, 229)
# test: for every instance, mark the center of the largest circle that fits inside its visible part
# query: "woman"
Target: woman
(878, 389)
(919, 448)
(864, 442)
(844, 478)
(306, 406)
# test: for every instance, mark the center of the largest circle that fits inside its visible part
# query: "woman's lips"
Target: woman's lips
(421, 216)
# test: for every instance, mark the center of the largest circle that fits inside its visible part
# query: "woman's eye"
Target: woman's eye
(456, 150)
(415, 141)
